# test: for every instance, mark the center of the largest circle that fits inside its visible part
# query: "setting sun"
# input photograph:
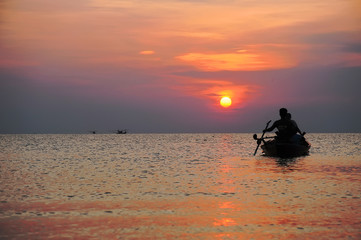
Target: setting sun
(225, 102)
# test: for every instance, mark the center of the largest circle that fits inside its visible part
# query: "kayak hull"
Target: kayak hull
(284, 149)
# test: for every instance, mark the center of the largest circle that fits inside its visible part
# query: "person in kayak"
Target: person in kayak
(295, 138)
(284, 126)
(295, 129)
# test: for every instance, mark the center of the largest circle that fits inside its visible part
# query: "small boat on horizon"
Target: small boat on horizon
(124, 131)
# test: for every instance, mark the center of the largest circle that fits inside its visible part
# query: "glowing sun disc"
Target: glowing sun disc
(225, 102)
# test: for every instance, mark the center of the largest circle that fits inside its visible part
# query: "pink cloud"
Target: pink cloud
(17, 63)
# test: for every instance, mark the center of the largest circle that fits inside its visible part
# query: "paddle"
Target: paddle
(259, 142)
(261, 139)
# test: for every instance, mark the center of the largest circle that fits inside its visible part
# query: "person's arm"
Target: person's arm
(274, 125)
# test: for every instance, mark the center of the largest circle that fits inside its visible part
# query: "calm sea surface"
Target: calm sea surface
(177, 186)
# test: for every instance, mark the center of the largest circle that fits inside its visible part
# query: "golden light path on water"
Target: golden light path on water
(177, 186)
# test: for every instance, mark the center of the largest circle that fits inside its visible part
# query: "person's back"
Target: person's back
(295, 138)
(294, 127)
(285, 129)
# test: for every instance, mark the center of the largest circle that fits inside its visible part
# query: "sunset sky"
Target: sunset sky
(162, 66)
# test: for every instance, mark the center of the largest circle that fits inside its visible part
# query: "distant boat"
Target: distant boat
(124, 131)
(93, 132)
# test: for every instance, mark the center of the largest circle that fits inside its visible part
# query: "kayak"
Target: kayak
(276, 148)
(294, 146)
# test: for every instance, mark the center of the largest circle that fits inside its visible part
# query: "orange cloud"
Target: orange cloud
(147, 52)
(238, 61)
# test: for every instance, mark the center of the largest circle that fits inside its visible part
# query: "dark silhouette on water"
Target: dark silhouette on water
(261, 139)
(283, 125)
(124, 131)
(286, 143)
(295, 128)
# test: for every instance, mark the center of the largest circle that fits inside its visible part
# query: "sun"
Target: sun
(225, 102)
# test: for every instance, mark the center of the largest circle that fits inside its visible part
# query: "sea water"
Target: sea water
(177, 186)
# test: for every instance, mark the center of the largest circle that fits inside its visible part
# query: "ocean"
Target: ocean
(177, 186)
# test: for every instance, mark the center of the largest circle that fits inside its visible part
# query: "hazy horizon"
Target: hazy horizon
(140, 133)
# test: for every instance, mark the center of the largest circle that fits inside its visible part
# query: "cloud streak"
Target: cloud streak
(236, 61)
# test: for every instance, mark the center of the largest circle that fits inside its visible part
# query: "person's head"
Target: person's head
(283, 112)
(288, 116)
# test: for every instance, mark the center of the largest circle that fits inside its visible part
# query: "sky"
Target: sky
(163, 66)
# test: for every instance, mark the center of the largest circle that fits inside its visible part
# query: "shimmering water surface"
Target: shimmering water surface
(177, 186)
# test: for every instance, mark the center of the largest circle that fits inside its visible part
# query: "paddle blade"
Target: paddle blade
(255, 136)
(259, 140)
